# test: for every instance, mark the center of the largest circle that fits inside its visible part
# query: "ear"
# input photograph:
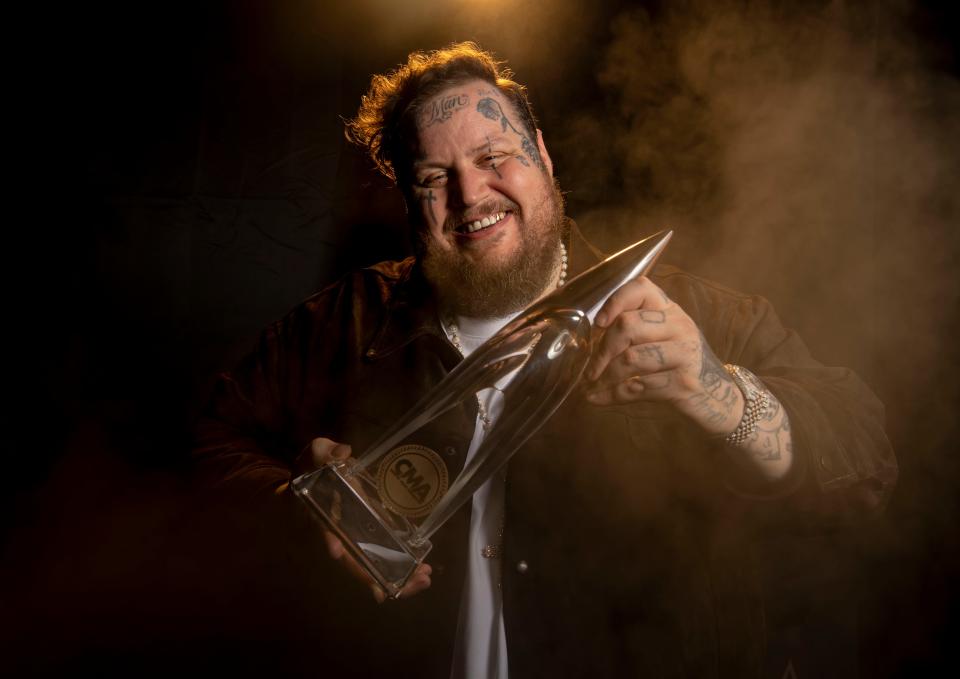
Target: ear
(543, 153)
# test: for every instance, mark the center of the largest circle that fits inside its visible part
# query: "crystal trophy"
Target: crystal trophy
(386, 503)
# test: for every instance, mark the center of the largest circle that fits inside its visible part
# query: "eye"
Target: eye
(434, 179)
(490, 159)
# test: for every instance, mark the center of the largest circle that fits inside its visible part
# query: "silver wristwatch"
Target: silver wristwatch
(756, 399)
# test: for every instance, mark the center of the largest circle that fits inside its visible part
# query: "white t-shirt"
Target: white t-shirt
(481, 646)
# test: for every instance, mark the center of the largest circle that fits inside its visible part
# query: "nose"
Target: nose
(471, 186)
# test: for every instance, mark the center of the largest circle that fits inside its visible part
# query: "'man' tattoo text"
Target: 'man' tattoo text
(442, 109)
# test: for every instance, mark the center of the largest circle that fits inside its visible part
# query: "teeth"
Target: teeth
(484, 223)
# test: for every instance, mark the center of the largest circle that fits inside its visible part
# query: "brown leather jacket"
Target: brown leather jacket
(636, 538)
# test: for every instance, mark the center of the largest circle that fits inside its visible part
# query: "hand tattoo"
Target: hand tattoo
(653, 316)
(652, 351)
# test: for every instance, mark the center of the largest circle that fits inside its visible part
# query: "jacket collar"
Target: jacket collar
(411, 307)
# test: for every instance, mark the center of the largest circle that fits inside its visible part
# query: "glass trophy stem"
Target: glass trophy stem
(421, 415)
(511, 431)
(534, 362)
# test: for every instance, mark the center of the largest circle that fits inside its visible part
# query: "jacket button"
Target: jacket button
(522, 567)
(450, 450)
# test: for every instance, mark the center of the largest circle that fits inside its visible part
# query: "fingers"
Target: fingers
(323, 450)
(419, 581)
(338, 553)
(647, 348)
(320, 452)
(654, 371)
(641, 372)
(640, 293)
(639, 312)
(334, 546)
(636, 327)
(637, 359)
(655, 386)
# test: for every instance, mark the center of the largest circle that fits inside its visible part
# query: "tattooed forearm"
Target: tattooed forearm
(772, 439)
(769, 451)
(491, 109)
(713, 414)
(720, 394)
(442, 108)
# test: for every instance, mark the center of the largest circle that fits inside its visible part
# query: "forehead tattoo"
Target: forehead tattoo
(492, 110)
(442, 108)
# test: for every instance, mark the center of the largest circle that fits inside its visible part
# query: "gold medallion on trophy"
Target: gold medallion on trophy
(411, 480)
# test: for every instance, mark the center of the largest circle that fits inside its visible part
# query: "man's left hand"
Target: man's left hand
(651, 350)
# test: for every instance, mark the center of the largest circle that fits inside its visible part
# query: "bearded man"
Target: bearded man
(620, 540)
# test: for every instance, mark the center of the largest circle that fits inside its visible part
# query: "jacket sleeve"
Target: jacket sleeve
(844, 465)
(244, 441)
(236, 439)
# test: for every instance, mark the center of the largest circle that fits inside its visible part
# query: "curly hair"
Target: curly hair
(385, 125)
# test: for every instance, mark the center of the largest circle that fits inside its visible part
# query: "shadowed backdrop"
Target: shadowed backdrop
(189, 182)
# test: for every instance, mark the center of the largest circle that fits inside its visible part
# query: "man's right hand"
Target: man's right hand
(318, 453)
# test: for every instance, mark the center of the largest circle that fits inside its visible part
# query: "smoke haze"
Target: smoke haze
(803, 152)
(807, 152)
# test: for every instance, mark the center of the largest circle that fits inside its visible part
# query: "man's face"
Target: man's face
(483, 202)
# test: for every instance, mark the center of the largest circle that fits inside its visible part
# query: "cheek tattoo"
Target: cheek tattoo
(428, 199)
(493, 165)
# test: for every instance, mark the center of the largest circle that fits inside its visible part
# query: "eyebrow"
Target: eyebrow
(488, 143)
(421, 161)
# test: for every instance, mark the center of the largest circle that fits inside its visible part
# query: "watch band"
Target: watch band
(756, 403)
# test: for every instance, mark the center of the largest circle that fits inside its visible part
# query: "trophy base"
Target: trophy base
(345, 498)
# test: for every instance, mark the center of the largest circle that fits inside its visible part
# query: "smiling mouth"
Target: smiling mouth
(480, 224)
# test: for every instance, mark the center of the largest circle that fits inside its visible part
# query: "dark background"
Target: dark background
(185, 181)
